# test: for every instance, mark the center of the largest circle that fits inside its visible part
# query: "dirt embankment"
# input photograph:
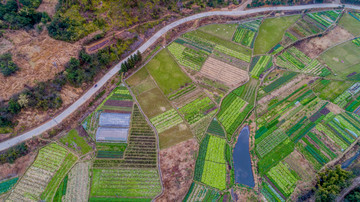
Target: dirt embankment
(315, 46)
(177, 166)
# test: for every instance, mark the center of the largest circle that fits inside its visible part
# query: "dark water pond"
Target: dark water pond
(242, 162)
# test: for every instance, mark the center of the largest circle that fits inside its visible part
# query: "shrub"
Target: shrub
(7, 66)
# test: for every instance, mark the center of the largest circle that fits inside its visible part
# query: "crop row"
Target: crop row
(244, 36)
(326, 18)
(229, 116)
(270, 193)
(304, 28)
(197, 109)
(281, 176)
(331, 135)
(215, 149)
(115, 182)
(214, 175)
(65, 167)
(220, 45)
(262, 62)
(315, 67)
(293, 59)
(279, 82)
(166, 120)
(199, 192)
(215, 128)
(182, 91)
(270, 142)
(188, 57)
(252, 25)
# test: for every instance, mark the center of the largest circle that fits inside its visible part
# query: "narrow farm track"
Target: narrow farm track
(92, 91)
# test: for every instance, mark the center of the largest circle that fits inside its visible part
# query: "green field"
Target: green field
(343, 59)
(271, 32)
(76, 142)
(166, 72)
(224, 31)
(350, 23)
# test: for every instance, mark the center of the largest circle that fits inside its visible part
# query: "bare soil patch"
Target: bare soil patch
(315, 46)
(39, 58)
(177, 166)
(223, 72)
(48, 6)
(18, 167)
(5, 45)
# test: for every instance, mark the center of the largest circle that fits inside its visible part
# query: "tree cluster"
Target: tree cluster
(354, 195)
(132, 62)
(17, 14)
(330, 182)
(7, 66)
(10, 155)
(46, 95)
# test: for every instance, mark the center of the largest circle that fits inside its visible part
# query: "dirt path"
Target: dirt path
(343, 193)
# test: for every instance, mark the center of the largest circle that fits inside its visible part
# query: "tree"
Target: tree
(14, 106)
(330, 182)
(23, 100)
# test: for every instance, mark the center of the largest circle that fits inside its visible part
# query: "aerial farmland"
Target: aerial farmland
(260, 108)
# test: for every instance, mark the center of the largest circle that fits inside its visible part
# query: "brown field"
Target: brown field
(174, 135)
(223, 72)
(316, 46)
(302, 166)
(187, 98)
(35, 56)
(177, 166)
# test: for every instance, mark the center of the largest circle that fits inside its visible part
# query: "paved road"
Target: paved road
(84, 98)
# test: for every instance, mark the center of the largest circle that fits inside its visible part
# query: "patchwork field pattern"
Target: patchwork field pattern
(137, 172)
(45, 174)
(198, 192)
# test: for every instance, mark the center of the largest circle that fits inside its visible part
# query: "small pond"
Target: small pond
(242, 162)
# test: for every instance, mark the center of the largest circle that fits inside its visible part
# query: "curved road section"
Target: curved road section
(84, 98)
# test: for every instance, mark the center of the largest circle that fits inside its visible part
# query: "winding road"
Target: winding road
(85, 97)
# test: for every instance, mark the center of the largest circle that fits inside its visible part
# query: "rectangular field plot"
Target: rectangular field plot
(279, 82)
(210, 164)
(224, 31)
(293, 59)
(351, 22)
(233, 111)
(166, 72)
(223, 72)
(77, 188)
(126, 183)
(197, 109)
(166, 120)
(44, 176)
(343, 60)
(325, 18)
(114, 120)
(76, 142)
(218, 44)
(284, 179)
(188, 57)
(105, 134)
(245, 33)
